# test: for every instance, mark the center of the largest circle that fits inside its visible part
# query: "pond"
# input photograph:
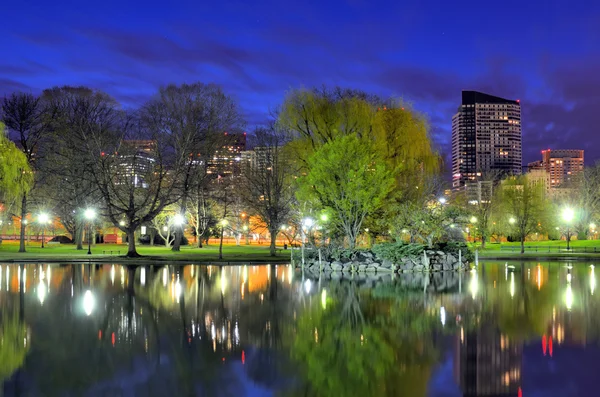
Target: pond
(508, 329)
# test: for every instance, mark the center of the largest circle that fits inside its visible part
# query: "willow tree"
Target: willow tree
(16, 177)
(347, 179)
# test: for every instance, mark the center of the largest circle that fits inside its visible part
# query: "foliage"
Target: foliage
(525, 202)
(347, 179)
(16, 176)
(12, 349)
(396, 251)
(452, 247)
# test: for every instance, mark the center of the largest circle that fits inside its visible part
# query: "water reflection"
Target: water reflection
(260, 330)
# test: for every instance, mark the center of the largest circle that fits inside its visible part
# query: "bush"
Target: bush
(395, 251)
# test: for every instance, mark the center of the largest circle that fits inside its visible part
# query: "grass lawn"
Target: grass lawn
(243, 253)
(545, 249)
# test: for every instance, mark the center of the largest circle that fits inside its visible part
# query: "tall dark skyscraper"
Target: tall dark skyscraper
(486, 136)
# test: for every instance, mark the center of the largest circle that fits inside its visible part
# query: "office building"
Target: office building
(486, 137)
(136, 160)
(562, 166)
(227, 159)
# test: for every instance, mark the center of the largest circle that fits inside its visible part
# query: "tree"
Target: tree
(587, 198)
(348, 179)
(68, 183)
(482, 204)
(267, 188)
(196, 116)
(16, 177)
(163, 223)
(24, 116)
(525, 204)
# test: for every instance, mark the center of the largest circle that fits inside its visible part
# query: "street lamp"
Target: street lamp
(90, 214)
(568, 214)
(43, 219)
(442, 200)
(512, 220)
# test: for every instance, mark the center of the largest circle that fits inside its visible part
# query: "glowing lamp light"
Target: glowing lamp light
(43, 218)
(473, 284)
(442, 200)
(443, 315)
(473, 219)
(122, 223)
(41, 292)
(512, 220)
(308, 222)
(568, 214)
(324, 217)
(88, 302)
(89, 214)
(324, 299)
(178, 219)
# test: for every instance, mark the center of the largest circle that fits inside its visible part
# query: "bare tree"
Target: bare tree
(267, 189)
(24, 115)
(196, 116)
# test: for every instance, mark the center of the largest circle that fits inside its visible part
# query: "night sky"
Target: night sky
(545, 53)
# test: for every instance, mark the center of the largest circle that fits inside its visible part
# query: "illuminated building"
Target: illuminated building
(487, 363)
(227, 160)
(486, 136)
(135, 161)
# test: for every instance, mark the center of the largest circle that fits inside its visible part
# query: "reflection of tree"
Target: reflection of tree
(357, 348)
(12, 348)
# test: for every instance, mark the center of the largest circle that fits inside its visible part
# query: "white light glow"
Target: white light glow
(324, 299)
(41, 292)
(89, 214)
(307, 285)
(165, 277)
(443, 315)
(512, 284)
(178, 220)
(569, 297)
(223, 284)
(592, 280)
(143, 276)
(88, 302)
(112, 274)
(473, 284)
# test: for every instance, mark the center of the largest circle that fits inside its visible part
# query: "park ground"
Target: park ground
(580, 249)
(115, 252)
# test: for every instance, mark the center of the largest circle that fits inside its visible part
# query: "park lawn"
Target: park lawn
(233, 253)
(559, 243)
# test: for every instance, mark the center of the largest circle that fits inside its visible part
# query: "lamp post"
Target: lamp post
(43, 219)
(306, 223)
(90, 214)
(568, 214)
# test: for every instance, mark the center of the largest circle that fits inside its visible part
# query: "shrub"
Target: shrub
(395, 251)
(452, 247)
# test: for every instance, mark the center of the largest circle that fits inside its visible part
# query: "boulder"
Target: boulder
(336, 266)
(386, 263)
(446, 265)
(362, 268)
(436, 267)
(418, 268)
(450, 258)
(371, 269)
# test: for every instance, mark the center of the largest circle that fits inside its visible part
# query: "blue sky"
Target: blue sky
(544, 53)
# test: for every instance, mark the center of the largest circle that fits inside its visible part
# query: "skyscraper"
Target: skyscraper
(486, 136)
(562, 166)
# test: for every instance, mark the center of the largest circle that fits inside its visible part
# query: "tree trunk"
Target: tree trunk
(272, 248)
(522, 245)
(23, 223)
(221, 245)
(177, 238)
(131, 251)
(198, 238)
(79, 235)
(483, 238)
(152, 235)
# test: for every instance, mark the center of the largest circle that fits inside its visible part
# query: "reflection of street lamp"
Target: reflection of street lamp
(306, 223)
(88, 302)
(90, 214)
(43, 219)
(568, 214)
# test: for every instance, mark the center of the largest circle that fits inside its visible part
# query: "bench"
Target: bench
(53, 243)
(111, 252)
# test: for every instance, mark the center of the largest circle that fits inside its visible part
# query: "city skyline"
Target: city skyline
(542, 55)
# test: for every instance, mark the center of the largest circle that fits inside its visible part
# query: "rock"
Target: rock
(441, 253)
(336, 266)
(371, 269)
(366, 254)
(418, 268)
(385, 264)
(450, 258)
(362, 268)
(446, 266)
(437, 267)
(375, 264)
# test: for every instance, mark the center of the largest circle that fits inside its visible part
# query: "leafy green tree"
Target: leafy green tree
(16, 177)
(525, 205)
(348, 179)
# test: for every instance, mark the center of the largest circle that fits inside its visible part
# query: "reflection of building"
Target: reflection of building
(486, 136)
(227, 159)
(487, 363)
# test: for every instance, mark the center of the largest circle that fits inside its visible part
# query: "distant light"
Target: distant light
(324, 217)
(122, 223)
(43, 218)
(324, 299)
(178, 219)
(308, 222)
(442, 200)
(512, 220)
(568, 214)
(443, 315)
(473, 219)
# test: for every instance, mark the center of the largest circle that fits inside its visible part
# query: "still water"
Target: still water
(516, 329)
